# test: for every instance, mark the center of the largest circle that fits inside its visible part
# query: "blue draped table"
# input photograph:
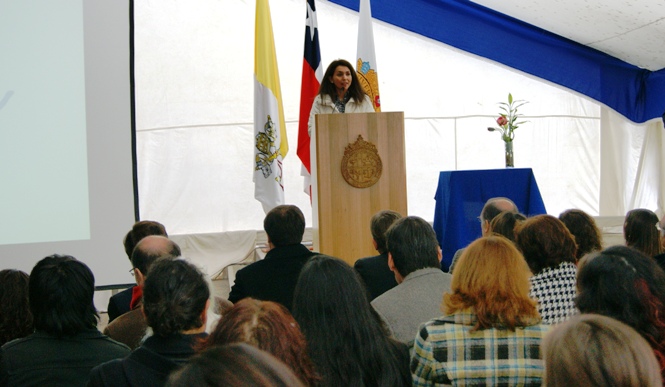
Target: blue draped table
(461, 196)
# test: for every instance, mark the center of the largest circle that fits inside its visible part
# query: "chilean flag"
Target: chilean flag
(311, 80)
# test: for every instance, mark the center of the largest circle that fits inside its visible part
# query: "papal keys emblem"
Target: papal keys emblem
(361, 164)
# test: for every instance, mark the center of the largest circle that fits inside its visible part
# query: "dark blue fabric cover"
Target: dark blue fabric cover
(461, 196)
(636, 93)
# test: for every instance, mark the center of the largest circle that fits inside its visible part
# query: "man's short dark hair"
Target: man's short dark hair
(174, 296)
(285, 225)
(380, 223)
(143, 257)
(139, 231)
(493, 208)
(61, 291)
(413, 245)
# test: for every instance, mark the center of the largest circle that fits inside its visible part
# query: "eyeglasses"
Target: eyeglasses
(131, 271)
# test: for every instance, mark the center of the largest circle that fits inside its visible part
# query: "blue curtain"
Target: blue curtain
(636, 93)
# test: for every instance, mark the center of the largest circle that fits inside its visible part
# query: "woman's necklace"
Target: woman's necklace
(340, 105)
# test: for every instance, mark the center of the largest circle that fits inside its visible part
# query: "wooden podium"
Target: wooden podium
(341, 212)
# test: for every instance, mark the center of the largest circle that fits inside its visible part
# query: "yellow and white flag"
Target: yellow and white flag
(366, 63)
(270, 143)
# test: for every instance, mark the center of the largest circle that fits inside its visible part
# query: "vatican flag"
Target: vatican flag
(366, 64)
(270, 143)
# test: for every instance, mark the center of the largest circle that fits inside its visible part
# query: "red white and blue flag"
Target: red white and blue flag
(311, 80)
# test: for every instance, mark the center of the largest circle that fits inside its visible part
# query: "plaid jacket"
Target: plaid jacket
(447, 353)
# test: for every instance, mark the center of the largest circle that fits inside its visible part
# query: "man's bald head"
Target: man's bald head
(494, 207)
(152, 248)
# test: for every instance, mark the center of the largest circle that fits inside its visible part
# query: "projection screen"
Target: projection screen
(66, 134)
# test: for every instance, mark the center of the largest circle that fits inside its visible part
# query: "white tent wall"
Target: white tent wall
(194, 109)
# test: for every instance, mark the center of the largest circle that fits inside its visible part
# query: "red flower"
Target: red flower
(502, 120)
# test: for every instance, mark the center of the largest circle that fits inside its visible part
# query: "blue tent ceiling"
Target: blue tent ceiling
(637, 93)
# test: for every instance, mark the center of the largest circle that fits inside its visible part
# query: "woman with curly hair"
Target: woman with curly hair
(641, 231)
(268, 326)
(346, 340)
(15, 316)
(625, 284)
(584, 229)
(491, 331)
(549, 250)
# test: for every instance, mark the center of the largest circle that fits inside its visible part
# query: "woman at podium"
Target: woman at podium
(340, 92)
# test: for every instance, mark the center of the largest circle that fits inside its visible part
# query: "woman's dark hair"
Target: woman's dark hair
(347, 342)
(545, 242)
(328, 88)
(234, 365)
(625, 284)
(270, 327)
(505, 224)
(61, 291)
(584, 229)
(174, 297)
(15, 316)
(641, 233)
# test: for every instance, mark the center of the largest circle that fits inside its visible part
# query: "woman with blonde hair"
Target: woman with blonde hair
(489, 311)
(595, 350)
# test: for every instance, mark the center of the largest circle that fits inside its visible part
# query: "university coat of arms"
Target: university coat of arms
(361, 164)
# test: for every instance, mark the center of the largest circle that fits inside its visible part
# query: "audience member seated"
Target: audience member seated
(234, 365)
(270, 327)
(15, 316)
(587, 235)
(66, 343)
(131, 327)
(549, 249)
(121, 302)
(413, 256)
(641, 231)
(594, 350)
(274, 277)
(625, 284)
(374, 271)
(660, 258)
(661, 228)
(491, 209)
(506, 223)
(491, 332)
(175, 302)
(346, 340)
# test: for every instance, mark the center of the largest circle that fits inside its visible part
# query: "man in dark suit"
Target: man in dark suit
(491, 209)
(274, 278)
(130, 327)
(374, 271)
(121, 303)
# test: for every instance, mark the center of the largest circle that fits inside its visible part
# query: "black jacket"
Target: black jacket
(150, 364)
(273, 278)
(376, 274)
